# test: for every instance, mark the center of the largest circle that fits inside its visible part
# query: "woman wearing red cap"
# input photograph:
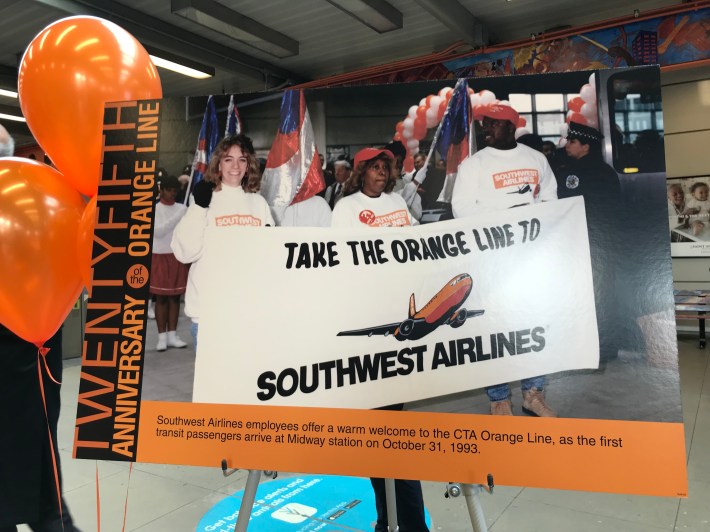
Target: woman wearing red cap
(367, 197)
(368, 200)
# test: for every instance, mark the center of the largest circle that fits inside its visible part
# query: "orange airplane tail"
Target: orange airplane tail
(412, 306)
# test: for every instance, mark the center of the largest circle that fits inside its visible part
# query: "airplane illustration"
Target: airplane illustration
(442, 309)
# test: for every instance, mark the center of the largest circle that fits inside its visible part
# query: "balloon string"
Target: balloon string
(125, 506)
(43, 352)
(98, 500)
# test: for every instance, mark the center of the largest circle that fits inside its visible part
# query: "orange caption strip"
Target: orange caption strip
(646, 458)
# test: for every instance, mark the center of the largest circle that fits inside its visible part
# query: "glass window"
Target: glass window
(637, 114)
(549, 123)
(549, 102)
(521, 102)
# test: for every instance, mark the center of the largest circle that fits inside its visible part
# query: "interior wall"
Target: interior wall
(686, 115)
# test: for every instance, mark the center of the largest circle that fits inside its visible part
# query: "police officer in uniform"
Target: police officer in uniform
(585, 173)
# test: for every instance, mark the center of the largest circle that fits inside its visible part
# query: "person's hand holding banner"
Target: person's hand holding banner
(39, 221)
(69, 71)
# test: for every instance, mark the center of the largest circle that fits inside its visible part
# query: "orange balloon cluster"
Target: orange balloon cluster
(68, 72)
(39, 221)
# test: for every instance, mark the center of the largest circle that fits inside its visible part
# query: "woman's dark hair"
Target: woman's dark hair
(356, 179)
(252, 178)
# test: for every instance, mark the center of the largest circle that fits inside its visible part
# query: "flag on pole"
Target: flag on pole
(293, 172)
(206, 142)
(453, 136)
(234, 123)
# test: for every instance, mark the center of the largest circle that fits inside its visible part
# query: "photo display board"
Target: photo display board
(304, 331)
(689, 216)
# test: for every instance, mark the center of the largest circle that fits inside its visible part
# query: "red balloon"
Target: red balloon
(408, 164)
(69, 71)
(39, 222)
(420, 128)
(428, 100)
(440, 113)
(522, 122)
(397, 136)
(578, 117)
(575, 104)
(86, 241)
(399, 127)
(421, 112)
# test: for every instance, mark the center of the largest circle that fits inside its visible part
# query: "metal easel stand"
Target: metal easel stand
(249, 494)
(391, 497)
(473, 502)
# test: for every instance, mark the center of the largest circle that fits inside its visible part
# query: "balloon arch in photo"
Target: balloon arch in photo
(430, 111)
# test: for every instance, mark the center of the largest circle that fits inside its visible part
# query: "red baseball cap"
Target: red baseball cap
(496, 111)
(367, 154)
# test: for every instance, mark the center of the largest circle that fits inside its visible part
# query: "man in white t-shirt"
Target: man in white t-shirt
(503, 175)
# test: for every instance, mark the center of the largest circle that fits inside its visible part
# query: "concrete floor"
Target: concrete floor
(174, 498)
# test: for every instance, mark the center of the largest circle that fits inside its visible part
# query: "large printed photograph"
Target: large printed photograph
(689, 216)
(460, 249)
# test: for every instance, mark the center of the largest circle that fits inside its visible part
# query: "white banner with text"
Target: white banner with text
(362, 318)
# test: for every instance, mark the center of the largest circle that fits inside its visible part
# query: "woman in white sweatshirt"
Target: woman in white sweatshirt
(227, 196)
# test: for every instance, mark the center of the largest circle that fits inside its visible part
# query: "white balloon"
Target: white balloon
(422, 101)
(593, 122)
(587, 93)
(446, 90)
(412, 112)
(413, 145)
(476, 99)
(431, 116)
(592, 79)
(408, 123)
(435, 102)
(487, 97)
(588, 110)
(504, 102)
(562, 142)
(564, 128)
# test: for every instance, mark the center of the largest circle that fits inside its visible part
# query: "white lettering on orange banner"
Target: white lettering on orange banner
(392, 219)
(237, 219)
(514, 178)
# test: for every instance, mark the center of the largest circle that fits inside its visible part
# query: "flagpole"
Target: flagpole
(423, 170)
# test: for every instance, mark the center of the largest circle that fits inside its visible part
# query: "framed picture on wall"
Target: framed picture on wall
(689, 216)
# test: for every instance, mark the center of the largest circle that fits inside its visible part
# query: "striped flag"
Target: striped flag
(293, 172)
(454, 136)
(206, 142)
(234, 123)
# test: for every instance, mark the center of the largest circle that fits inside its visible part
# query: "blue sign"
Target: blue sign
(300, 504)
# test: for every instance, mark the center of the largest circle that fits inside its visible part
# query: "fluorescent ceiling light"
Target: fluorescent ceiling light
(9, 94)
(180, 69)
(376, 14)
(221, 19)
(181, 65)
(15, 118)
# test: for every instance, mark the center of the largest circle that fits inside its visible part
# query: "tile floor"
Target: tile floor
(174, 498)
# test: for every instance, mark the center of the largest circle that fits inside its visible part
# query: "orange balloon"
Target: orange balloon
(39, 221)
(69, 71)
(86, 241)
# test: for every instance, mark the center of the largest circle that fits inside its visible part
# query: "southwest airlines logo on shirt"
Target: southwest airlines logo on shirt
(393, 219)
(516, 178)
(237, 219)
